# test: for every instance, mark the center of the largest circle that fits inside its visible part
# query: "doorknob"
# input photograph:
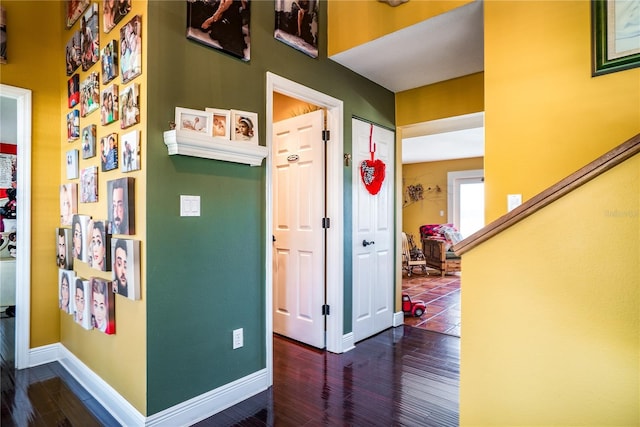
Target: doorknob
(365, 243)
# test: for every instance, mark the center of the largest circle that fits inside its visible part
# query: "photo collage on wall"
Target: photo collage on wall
(101, 148)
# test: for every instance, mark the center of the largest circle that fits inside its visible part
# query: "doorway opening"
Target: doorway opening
(22, 125)
(334, 258)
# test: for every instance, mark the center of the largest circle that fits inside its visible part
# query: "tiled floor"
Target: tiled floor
(441, 295)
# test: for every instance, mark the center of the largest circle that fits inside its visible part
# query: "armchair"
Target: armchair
(437, 241)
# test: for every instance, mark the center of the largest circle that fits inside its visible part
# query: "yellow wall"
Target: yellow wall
(28, 67)
(430, 175)
(118, 359)
(285, 107)
(551, 315)
(352, 23)
(455, 97)
(545, 115)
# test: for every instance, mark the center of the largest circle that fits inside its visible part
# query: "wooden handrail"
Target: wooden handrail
(602, 164)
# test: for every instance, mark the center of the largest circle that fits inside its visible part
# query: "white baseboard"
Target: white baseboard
(45, 354)
(398, 319)
(106, 395)
(210, 403)
(182, 414)
(348, 342)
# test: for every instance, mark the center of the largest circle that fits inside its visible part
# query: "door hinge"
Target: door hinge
(326, 135)
(326, 222)
(325, 310)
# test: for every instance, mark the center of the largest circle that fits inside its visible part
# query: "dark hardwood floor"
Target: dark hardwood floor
(403, 376)
(44, 395)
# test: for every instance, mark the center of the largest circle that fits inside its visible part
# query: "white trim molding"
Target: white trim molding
(23, 223)
(196, 145)
(398, 319)
(106, 395)
(335, 210)
(348, 342)
(182, 414)
(210, 403)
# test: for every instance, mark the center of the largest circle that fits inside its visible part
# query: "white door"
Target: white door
(373, 260)
(298, 210)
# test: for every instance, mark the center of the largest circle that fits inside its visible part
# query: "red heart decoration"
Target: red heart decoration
(372, 173)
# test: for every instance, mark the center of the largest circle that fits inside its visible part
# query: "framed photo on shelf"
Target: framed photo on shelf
(245, 126)
(220, 122)
(89, 142)
(89, 94)
(90, 37)
(193, 120)
(109, 105)
(109, 152)
(109, 59)
(130, 151)
(130, 105)
(131, 49)
(227, 30)
(616, 44)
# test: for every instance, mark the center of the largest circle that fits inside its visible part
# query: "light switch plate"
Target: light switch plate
(189, 205)
(513, 201)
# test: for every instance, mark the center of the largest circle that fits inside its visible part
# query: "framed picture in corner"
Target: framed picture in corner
(245, 126)
(616, 41)
(193, 120)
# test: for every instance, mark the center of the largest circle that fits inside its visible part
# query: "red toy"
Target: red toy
(415, 308)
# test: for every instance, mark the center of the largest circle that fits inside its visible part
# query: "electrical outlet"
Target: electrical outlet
(238, 339)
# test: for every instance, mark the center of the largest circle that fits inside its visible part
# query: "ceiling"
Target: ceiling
(444, 47)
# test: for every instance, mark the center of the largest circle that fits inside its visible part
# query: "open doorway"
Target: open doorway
(334, 258)
(444, 159)
(21, 123)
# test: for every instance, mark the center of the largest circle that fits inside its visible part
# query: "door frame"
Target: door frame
(23, 223)
(335, 211)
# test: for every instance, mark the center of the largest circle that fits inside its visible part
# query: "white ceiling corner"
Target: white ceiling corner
(442, 48)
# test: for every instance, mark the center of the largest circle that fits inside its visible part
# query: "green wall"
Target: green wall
(206, 275)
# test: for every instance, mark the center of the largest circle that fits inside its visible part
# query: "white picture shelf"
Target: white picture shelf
(186, 143)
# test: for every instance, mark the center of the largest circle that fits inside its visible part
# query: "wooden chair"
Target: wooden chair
(410, 262)
(437, 257)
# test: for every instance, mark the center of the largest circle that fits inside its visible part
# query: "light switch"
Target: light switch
(513, 201)
(189, 205)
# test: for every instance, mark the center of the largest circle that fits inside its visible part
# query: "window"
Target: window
(466, 200)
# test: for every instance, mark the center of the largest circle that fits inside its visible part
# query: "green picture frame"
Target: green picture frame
(615, 49)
